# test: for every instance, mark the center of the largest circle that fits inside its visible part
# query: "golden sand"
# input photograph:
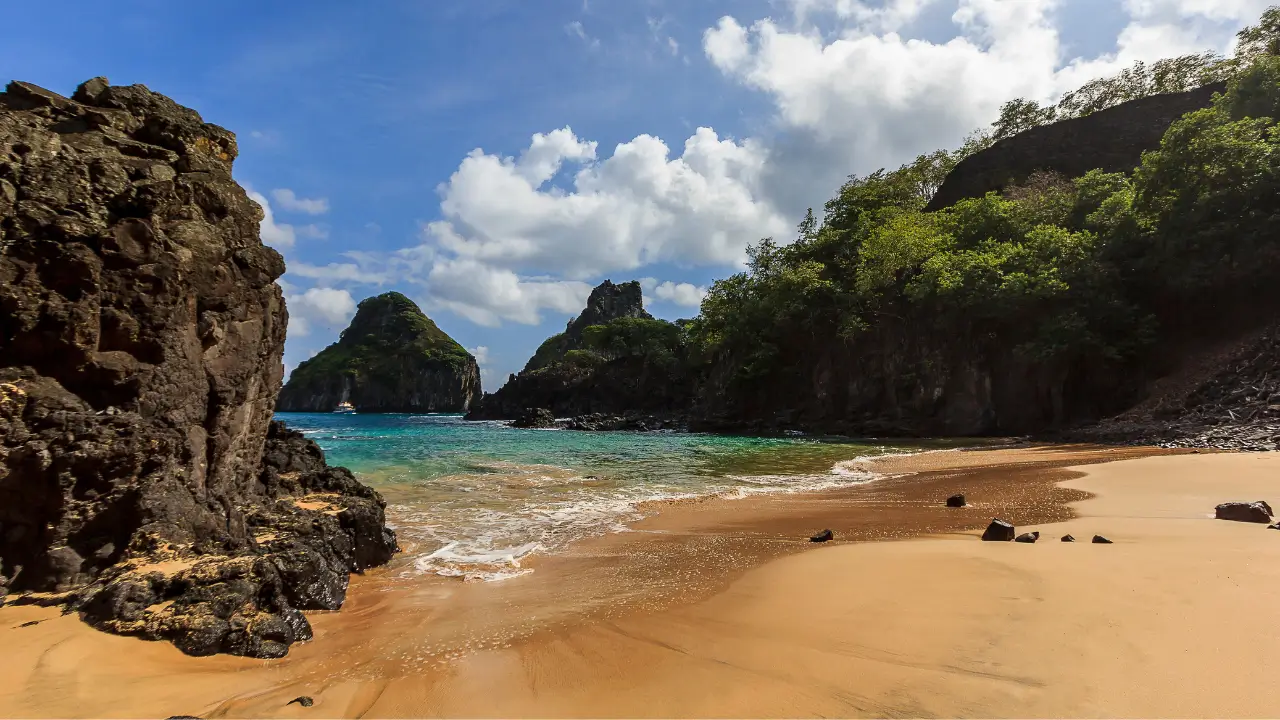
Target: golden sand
(723, 609)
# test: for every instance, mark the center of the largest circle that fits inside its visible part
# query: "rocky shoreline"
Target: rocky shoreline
(143, 482)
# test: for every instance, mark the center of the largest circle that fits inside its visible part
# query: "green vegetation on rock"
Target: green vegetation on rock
(1062, 273)
(391, 358)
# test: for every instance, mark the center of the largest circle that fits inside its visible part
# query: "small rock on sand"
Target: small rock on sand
(955, 501)
(303, 700)
(1101, 540)
(999, 530)
(1068, 538)
(823, 536)
(1028, 537)
(1259, 512)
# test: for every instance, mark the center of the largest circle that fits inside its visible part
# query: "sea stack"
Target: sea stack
(142, 480)
(391, 359)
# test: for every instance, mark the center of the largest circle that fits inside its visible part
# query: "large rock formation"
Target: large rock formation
(391, 359)
(606, 302)
(567, 380)
(141, 334)
(1112, 140)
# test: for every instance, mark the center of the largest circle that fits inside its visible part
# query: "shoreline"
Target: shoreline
(403, 651)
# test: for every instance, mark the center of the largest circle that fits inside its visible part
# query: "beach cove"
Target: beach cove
(722, 608)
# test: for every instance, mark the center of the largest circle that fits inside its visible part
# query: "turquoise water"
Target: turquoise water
(475, 499)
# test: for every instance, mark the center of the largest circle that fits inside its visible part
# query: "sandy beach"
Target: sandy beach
(722, 609)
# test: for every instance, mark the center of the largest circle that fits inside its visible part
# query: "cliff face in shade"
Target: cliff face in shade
(141, 334)
(1112, 140)
(392, 359)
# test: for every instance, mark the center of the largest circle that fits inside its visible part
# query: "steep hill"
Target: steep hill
(391, 359)
(614, 358)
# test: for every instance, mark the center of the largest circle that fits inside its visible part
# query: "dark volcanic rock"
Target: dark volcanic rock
(955, 501)
(1100, 540)
(303, 700)
(592, 386)
(1112, 140)
(1257, 512)
(999, 530)
(823, 536)
(535, 418)
(1027, 537)
(606, 302)
(141, 333)
(392, 358)
(1068, 538)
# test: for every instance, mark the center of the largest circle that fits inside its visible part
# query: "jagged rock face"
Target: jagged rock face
(392, 358)
(606, 302)
(1112, 140)
(619, 387)
(141, 334)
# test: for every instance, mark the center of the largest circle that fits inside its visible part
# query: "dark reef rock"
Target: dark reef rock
(142, 481)
(1112, 140)
(392, 358)
(1027, 537)
(999, 531)
(535, 418)
(1256, 512)
(1100, 540)
(823, 536)
(956, 501)
(1068, 538)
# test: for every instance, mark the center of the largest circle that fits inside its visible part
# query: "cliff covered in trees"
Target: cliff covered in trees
(392, 358)
(1039, 278)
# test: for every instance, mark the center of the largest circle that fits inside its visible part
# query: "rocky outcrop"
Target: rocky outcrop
(141, 334)
(569, 386)
(535, 418)
(391, 359)
(1112, 140)
(606, 302)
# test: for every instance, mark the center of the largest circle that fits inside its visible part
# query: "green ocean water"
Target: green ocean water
(479, 497)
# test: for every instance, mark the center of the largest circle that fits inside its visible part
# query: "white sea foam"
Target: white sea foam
(490, 543)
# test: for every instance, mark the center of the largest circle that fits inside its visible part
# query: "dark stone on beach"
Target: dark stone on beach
(303, 700)
(823, 536)
(183, 717)
(1028, 537)
(1258, 512)
(1068, 538)
(1099, 540)
(535, 418)
(1276, 526)
(956, 501)
(29, 623)
(141, 335)
(999, 530)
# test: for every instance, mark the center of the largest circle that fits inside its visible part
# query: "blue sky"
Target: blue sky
(394, 141)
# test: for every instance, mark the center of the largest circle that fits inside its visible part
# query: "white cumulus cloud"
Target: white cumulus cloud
(328, 308)
(290, 202)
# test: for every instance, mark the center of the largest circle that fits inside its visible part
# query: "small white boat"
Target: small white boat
(345, 408)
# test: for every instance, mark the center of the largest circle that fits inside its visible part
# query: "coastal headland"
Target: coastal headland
(724, 608)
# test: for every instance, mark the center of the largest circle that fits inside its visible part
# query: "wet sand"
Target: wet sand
(721, 608)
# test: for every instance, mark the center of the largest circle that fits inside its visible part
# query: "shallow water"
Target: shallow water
(477, 499)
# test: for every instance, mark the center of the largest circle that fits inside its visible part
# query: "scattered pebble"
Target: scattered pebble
(1068, 538)
(303, 700)
(823, 536)
(1101, 540)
